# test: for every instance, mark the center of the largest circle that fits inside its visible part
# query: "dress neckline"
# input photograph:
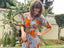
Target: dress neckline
(30, 17)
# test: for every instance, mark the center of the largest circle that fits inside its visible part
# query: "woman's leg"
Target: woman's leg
(36, 42)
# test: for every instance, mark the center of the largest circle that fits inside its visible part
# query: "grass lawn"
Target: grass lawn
(62, 46)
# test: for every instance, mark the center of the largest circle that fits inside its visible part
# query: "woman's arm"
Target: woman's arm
(45, 31)
(22, 29)
(23, 23)
(46, 24)
(23, 34)
(42, 33)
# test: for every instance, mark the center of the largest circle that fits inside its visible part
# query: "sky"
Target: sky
(58, 6)
(20, 1)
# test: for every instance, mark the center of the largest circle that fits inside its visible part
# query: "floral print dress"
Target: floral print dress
(30, 27)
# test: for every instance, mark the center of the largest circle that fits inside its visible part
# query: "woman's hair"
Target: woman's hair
(36, 4)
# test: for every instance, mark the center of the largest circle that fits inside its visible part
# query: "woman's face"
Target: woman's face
(36, 11)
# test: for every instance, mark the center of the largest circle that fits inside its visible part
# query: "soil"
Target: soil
(57, 43)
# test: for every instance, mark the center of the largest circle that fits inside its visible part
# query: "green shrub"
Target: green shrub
(62, 38)
(9, 39)
(5, 39)
(59, 19)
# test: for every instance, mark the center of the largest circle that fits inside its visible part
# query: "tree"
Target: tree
(7, 3)
(60, 22)
(47, 5)
(9, 19)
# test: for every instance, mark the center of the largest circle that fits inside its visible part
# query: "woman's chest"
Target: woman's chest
(32, 23)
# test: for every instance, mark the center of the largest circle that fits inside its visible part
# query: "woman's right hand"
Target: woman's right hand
(23, 36)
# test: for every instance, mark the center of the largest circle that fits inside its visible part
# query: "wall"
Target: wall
(53, 34)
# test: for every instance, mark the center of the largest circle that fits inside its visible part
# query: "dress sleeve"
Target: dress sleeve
(23, 21)
(45, 23)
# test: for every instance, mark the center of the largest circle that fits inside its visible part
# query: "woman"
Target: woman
(30, 22)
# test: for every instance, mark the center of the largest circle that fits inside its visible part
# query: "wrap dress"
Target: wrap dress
(30, 26)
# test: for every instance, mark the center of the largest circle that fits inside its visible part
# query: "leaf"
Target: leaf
(4, 26)
(4, 15)
(16, 21)
(6, 10)
(12, 21)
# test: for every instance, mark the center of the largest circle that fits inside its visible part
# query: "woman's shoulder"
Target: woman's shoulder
(26, 14)
(42, 16)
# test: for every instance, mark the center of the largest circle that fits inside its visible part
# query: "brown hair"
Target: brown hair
(36, 4)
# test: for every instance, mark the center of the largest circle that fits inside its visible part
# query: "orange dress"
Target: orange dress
(30, 27)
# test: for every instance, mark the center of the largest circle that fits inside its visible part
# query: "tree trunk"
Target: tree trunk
(59, 29)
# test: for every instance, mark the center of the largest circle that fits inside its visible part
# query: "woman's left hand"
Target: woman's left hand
(37, 33)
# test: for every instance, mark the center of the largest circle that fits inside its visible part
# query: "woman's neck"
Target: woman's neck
(32, 18)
